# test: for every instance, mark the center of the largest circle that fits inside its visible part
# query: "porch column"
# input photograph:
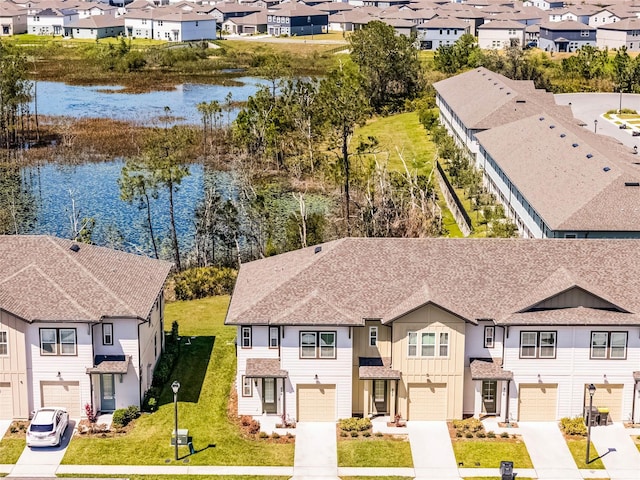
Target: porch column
(366, 400)
(477, 399)
(392, 399)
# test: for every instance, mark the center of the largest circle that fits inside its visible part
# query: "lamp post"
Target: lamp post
(595, 126)
(592, 390)
(620, 109)
(175, 386)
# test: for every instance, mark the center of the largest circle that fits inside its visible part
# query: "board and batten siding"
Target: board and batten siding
(259, 349)
(13, 366)
(337, 371)
(361, 348)
(449, 370)
(572, 368)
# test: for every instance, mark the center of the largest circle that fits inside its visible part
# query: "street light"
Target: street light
(592, 390)
(175, 386)
(595, 126)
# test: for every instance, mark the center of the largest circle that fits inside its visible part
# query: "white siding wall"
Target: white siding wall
(187, 31)
(138, 27)
(572, 368)
(611, 38)
(498, 39)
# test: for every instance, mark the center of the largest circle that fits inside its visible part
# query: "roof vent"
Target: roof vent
(574, 145)
(589, 155)
(552, 126)
(541, 118)
(562, 135)
(521, 101)
(632, 184)
(318, 249)
(606, 169)
(508, 93)
(75, 247)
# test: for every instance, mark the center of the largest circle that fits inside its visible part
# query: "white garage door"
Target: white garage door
(427, 401)
(607, 396)
(537, 402)
(6, 401)
(316, 403)
(62, 394)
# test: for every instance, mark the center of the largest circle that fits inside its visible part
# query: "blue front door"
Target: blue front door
(107, 393)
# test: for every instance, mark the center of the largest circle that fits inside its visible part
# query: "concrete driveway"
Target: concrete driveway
(43, 461)
(548, 451)
(432, 451)
(617, 451)
(316, 451)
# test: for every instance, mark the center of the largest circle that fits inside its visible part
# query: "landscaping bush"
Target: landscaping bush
(132, 412)
(573, 426)
(263, 435)
(468, 435)
(481, 435)
(203, 282)
(504, 435)
(123, 416)
(150, 402)
(491, 434)
(354, 434)
(354, 424)
(472, 425)
(275, 435)
(366, 434)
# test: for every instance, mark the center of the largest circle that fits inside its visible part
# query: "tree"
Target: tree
(344, 105)
(216, 225)
(453, 58)
(623, 71)
(15, 95)
(389, 64)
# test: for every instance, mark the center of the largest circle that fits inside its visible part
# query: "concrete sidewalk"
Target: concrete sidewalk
(617, 451)
(548, 451)
(432, 451)
(316, 450)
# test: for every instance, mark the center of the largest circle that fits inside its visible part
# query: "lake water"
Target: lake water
(55, 98)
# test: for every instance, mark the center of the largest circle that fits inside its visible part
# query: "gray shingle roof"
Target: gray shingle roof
(487, 369)
(371, 368)
(110, 364)
(265, 368)
(365, 278)
(42, 279)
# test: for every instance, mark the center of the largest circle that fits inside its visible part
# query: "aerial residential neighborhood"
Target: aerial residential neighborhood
(320, 239)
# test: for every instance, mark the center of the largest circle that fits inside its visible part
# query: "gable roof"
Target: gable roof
(384, 278)
(42, 279)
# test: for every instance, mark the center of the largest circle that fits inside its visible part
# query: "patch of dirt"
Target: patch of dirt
(17, 429)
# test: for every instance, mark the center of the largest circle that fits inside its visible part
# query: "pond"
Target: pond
(55, 98)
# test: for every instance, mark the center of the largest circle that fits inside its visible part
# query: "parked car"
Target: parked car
(47, 427)
(636, 133)
(623, 126)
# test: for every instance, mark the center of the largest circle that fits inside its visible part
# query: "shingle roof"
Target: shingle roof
(110, 364)
(42, 279)
(371, 368)
(265, 367)
(366, 278)
(487, 369)
(566, 25)
(571, 316)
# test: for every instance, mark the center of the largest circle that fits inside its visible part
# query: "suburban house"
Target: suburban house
(139, 23)
(183, 27)
(13, 19)
(95, 27)
(386, 326)
(247, 25)
(499, 34)
(566, 36)
(79, 324)
(441, 31)
(625, 33)
(226, 10)
(50, 21)
(296, 19)
(603, 17)
(543, 4)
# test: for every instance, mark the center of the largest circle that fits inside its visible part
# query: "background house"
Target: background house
(499, 34)
(566, 36)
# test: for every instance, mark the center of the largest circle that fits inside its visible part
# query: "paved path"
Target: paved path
(316, 451)
(548, 451)
(617, 450)
(432, 451)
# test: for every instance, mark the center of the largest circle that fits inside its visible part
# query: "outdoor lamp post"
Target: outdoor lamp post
(175, 386)
(595, 126)
(592, 390)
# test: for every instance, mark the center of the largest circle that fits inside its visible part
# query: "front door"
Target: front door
(489, 389)
(269, 395)
(380, 396)
(107, 393)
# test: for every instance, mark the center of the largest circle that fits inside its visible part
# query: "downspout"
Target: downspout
(506, 410)
(139, 364)
(633, 402)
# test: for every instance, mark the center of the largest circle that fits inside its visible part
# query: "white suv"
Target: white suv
(47, 427)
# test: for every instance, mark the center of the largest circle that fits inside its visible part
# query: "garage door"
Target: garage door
(6, 401)
(607, 396)
(537, 402)
(427, 401)
(316, 403)
(62, 394)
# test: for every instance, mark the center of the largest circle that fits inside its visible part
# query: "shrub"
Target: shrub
(491, 434)
(504, 435)
(254, 427)
(245, 420)
(131, 413)
(379, 434)
(363, 424)
(204, 282)
(354, 434)
(573, 426)
(459, 434)
(289, 435)
(263, 435)
(354, 424)
(481, 435)
(150, 402)
(275, 435)
(472, 425)
(366, 434)
(91, 415)
(468, 435)
(344, 434)
(119, 418)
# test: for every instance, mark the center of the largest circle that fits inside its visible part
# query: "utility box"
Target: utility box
(183, 437)
(506, 471)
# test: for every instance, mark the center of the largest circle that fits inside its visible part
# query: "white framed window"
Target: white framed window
(247, 387)
(67, 341)
(609, 345)
(58, 341)
(274, 337)
(4, 343)
(538, 344)
(584, 33)
(432, 344)
(327, 344)
(378, 390)
(412, 342)
(308, 341)
(107, 333)
(443, 346)
(317, 344)
(373, 336)
(246, 337)
(428, 344)
(48, 341)
(489, 336)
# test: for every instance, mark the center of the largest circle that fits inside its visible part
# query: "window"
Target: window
(570, 235)
(196, 23)
(609, 345)
(317, 344)
(431, 345)
(107, 334)
(584, 33)
(247, 387)
(57, 341)
(489, 336)
(155, 345)
(4, 343)
(428, 344)
(378, 390)
(373, 336)
(274, 337)
(444, 345)
(537, 344)
(246, 337)
(159, 23)
(413, 344)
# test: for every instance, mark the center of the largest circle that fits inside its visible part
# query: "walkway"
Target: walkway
(548, 451)
(316, 451)
(432, 451)
(617, 450)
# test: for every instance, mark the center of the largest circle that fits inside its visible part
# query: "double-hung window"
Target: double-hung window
(245, 337)
(489, 336)
(609, 345)
(373, 336)
(413, 344)
(107, 333)
(4, 343)
(274, 337)
(432, 344)
(317, 344)
(247, 387)
(57, 341)
(428, 344)
(538, 344)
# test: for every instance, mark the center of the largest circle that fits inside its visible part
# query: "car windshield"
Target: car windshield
(42, 428)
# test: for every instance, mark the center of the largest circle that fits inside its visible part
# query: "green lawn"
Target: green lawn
(489, 453)
(578, 448)
(206, 370)
(374, 453)
(11, 449)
